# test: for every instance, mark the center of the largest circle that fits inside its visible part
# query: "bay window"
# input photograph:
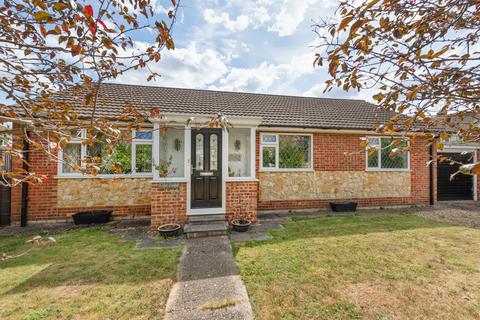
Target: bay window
(286, 151)
(387, 154)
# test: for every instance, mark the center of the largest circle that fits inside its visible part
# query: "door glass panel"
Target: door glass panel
(213, 152)
(199, 152)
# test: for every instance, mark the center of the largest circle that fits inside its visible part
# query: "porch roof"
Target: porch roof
(275, 110)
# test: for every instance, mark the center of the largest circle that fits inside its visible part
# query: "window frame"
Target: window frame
(83, 153)
(276, 145)
(379, 155)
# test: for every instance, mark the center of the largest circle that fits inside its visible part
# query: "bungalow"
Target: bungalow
(281, 153)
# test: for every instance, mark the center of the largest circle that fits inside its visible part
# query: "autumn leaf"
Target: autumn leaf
(42, 15)
(59, 6)
(75, 50)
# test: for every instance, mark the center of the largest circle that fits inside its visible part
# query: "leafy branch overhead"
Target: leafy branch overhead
(48, 46)
(418, 57)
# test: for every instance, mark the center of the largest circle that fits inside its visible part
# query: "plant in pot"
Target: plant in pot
(170, 230)
(242, 223)
(164, 168)
(231, 173)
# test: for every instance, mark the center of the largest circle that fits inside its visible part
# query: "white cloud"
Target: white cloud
(315, 91)
(240, 23)
(267, 77)
(293, 13)
(183, 67)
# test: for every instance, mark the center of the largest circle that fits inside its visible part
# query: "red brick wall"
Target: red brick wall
(16, 191)
(343, 152)
(242, 200)
(335, 152)
(168, 204)
(42, 197)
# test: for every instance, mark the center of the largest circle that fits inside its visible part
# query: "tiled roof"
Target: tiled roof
(275, 110)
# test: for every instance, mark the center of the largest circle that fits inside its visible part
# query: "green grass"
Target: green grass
(364, 267)
(87, 274)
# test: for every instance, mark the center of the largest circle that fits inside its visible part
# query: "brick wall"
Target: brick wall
(343, 152)
(43, 197)
(242, 200)
(169, 203)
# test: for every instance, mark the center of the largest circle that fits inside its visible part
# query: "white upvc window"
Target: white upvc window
(286, 152)
(142, 144)
(130, 157)
(241, 153)
(387, 154)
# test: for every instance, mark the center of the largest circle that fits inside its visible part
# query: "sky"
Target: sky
(264, 46)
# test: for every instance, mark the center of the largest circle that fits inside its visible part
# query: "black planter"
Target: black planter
(89, 217)
(344, 206)
(170, 230)
(241, 225)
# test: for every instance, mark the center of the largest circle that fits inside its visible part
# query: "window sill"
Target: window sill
(169, 180)
(241, 179)
(387, 170)
(104, 176)
(287, 170)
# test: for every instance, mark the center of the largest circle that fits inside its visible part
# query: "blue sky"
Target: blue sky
(264, 46)
(244, 45)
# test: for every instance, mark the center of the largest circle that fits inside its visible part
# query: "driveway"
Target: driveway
(460, 213)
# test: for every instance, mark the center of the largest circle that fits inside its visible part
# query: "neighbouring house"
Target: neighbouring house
(282, 153)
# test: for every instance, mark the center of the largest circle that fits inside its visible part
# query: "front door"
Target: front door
(206, 170)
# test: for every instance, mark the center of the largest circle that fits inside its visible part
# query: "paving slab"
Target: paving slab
(171, 243)
(208, 273)
(249, 236)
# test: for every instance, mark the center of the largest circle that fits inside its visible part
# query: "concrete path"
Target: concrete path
(208, 276)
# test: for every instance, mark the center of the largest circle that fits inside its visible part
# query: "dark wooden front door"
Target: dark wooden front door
(206, 168)
(458, 188)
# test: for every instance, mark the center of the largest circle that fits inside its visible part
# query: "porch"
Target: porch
(201, 171)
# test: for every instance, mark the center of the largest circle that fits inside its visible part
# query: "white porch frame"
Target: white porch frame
(194, 121)
(468, 149)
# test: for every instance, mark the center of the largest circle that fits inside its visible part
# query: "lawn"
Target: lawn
(364, 267)
(87, 274)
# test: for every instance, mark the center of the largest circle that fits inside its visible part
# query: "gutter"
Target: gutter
(24, 210)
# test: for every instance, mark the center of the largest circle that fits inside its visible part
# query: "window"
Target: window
(387, 154)
(286, 152)
(72, 156)
(124, 157)
(111, 159)
(239, 152)
(172, 152)
(142, 146)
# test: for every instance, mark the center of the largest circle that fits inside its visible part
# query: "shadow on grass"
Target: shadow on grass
(344, 225)
(87, 256)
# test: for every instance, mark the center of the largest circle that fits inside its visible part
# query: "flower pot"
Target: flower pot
(241, 225)
(89, 217)
(170, 230)
(344, 206)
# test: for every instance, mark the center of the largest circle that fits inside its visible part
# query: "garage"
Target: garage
(461, 187)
